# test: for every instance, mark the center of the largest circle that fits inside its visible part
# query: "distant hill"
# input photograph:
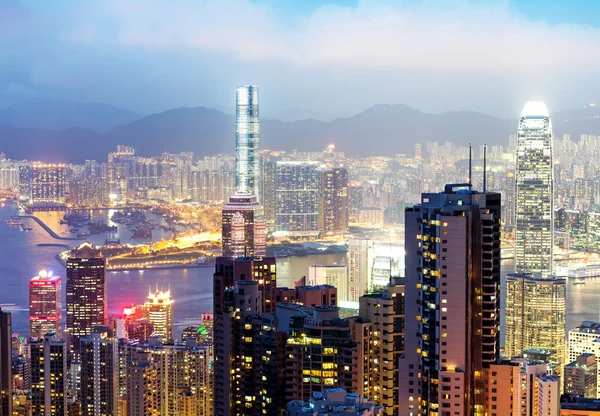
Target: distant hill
(62, 115)
(379, 130)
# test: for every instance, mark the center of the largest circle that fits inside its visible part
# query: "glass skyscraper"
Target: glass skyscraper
(534, 191)
(247, 141)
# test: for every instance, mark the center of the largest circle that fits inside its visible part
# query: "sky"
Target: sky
(310, 58)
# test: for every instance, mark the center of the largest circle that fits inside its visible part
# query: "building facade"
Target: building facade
(45, 305)
(6, 389)
(534, 191)
(247, 141)
(48, 376)
(158, 309)
(334, 201)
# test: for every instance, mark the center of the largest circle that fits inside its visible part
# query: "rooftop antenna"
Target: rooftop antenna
(470, 157)
(484, 167)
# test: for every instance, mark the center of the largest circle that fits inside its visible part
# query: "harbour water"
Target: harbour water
(21, 258)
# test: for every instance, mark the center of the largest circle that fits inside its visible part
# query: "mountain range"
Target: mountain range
(44, 132)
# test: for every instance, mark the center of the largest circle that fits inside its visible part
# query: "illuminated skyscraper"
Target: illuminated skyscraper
(360, 265)
(86, 292)
(159, 310)
(452, 295)
(534, 191)
(247, 141)
(243, 227)
(334, 201)
(535, 315)
(45, 305)
(48, 376)
(47, 184)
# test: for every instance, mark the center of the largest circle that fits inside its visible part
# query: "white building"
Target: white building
(534, 188)
(334, 275)
(584, 339)
(360, 266)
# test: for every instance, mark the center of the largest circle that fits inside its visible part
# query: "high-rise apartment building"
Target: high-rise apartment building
(297, 198)
(452, 297)
(48, 376)
(6, 381)
(47, 184)
(86, 292)
(379, 330)
(535, 315)
(581, 376)
(360, 266)
(159, 310)
(268, 196)
(334, 275)
(334, 200)
(45, 305)
(585, 339)
(247, 141)
(99, 373)
(534, 191)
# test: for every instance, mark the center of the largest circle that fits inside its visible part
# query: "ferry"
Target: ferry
(579, 281)
(580, 273)
(13, 222)
(25, 228)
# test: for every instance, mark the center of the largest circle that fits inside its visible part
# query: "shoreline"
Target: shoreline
(47, 228)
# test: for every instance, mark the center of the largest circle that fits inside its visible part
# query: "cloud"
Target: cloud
(438, 35)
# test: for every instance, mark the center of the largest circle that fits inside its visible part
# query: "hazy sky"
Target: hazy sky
(310, 58)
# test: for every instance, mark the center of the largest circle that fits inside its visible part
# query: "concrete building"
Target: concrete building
(581, 376)
(99, 373)
(334, 401)
(334, 201)
(379, 329)
(48, 376)
(579, 406)
(334, 275)
(86, 293)
(243, 227)
(535, 315)
(6, 389)
(360, 266)
(452, 292)
(45, 305)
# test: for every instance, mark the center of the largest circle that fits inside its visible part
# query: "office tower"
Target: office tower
(237, 350)
(336, 276)
(297, 198)
(86, 293)
(379, 329)
(268, 196)
(159, 310)
(48, 376)
(360, 265)
(452, 297)
(581, 376)
(585, 339)
(247, 141)
(243, 227)
(535, 315)
(5, 363)
(334, 201)
(320, 345)
(47, 184)
(535, 186)
(99, 373)
(418, 148)
(228, 271)
(45, 305)
(334, 401)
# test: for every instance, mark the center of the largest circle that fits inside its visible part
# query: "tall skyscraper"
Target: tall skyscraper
(247, 141)
(452, 297)
(534, 191)
(334, 201)
(99, 373)
(536, 315)
(360, 265)
(243, 226)
(47, 184)
(5, 363)
(86, 292)
(297, 195)
(45, 305)
(159, 310)
(48, 376)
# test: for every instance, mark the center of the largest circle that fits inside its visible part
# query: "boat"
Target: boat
(592, 270)
(25, 228)
(579, 281)
(13, 222)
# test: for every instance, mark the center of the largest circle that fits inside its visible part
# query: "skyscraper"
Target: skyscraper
(360, 264)
(47, 184)
(99, 373)
(247, 141)
(86, 292)
(452, 297)
(45, 305)
(534, 191)
(247, 237)
(535, 315)
(297, 195)
(48, 376)
(334, 201)
(5, 363)
(159, 310)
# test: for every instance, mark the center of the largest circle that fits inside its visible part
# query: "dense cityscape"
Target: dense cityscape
(415, 321)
